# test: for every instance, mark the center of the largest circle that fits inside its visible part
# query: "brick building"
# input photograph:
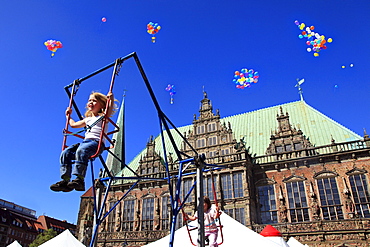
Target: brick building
(21, 224)
(289, 166)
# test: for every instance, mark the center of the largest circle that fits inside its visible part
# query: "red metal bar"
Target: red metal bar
(107, 109)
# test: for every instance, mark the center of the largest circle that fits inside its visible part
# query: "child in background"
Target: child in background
(81, 152)
(211, 213)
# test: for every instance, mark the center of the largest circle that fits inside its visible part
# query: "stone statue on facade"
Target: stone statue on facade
(118, 221)
(240, 146)
(137, 221)
(283, 212)
(348, 203)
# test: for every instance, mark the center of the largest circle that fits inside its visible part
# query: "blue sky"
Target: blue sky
(201, 44)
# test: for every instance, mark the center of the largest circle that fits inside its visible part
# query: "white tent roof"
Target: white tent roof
(14, 244)
(295, 243)
(64, 239)
(279, 240)
(234, 233)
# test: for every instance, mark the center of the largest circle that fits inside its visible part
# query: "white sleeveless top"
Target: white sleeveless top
(93, 132)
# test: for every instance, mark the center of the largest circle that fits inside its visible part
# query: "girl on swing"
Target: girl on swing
(81, 152)
(211, 213)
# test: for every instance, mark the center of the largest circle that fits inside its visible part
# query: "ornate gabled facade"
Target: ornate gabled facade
(309, 178)
(208, 135)
(286, 138)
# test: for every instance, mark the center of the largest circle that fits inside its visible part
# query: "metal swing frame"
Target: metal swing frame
(164, 122)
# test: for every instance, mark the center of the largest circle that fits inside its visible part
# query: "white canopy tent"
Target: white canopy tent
(64, 239)
(14, 244)
(234, 233)
(295, 243)
(272, 234)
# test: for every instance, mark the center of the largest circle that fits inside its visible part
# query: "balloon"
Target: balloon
(314, 39)
(245, 77)
(53, 45)
(153, 28)
(103, 19)
(171, 89)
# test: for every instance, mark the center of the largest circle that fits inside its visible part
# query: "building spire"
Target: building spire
(300, 91)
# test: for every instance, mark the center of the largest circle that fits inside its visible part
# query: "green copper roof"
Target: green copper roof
(256, 128)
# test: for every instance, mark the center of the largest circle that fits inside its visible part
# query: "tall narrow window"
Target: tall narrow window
(361, 195)
(267, 203)
(187, 184)
(298, 208)
(226, 186)
(238, 184)
(147, 214)
(329, 198)
(207, 187)
(165, 218)
(128, 215)
(111, 217)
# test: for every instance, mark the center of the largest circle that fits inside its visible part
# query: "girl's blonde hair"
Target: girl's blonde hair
(102, 99)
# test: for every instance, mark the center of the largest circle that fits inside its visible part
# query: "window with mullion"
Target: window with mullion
(111, 217)
(165, 221)
(187, 184)
(128, 215)
(361, 196)
(267, 201)
(330, 199)
(147, 214)
(208, 187)
(238, 184)
(226, 186)
(297, 200)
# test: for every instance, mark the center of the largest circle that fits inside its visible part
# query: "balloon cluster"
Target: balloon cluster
(245, 78)
(351, 65)
(171, 89)
(53, 45)
(153, 28)
(316, 41)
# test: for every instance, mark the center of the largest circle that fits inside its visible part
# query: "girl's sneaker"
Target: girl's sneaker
(60, 186)
(77, 184)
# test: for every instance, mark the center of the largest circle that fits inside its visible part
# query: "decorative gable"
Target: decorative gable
(294, 178)
(286, 138)
(356, 171)
(325, 174)
(208, 136)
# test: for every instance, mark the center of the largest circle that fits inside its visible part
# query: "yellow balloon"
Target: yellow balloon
(316, 54)
(330, 40)
(158, 27)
